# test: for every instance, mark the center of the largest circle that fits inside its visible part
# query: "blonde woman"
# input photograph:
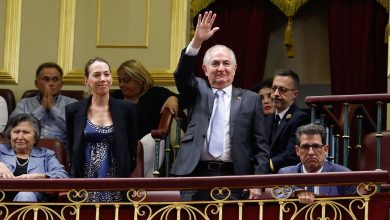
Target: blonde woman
(137, 86)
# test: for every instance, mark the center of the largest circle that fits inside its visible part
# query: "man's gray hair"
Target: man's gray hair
(207, 55)
(311, 129)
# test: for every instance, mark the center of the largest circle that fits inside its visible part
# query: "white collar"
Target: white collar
(282, 113)
(228, 90)
(305, 171)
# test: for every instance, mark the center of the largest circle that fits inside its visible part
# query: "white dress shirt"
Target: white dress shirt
(227, 97)
(316, 188)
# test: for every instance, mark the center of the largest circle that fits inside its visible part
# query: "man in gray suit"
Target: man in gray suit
(242, 147)
(312, 152)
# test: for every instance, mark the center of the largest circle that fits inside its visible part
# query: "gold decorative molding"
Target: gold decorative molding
(145, 44)
(196, 7)
(385, 4)
(199, 5)
(13, 19)
(178, 31)
(75, 76)
(66, 40)
(289, 8)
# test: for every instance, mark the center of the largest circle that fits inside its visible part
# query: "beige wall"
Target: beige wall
(66, 31)
(149, 30)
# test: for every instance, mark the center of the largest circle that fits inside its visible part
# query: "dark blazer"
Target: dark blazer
(248, 138)
(149, 108)
(325, 190)
(283, 142)
(124, 119)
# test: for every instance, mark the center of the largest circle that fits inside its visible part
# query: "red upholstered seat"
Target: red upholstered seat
(59, 149)
(367, 159)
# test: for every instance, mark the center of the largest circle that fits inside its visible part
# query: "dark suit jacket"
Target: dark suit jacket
(283, 143)
(149, 108)
(248, 138)
(325, 190)
(124, 119)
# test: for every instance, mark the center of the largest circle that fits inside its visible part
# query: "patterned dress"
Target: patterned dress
(98, 160)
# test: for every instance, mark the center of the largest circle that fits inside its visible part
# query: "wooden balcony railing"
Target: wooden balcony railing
(352, 105)
(157, 198)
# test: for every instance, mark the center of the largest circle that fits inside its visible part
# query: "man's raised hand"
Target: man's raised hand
(204, 28)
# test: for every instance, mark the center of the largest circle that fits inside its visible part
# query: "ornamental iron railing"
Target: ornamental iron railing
(152, 198)
(361, 107)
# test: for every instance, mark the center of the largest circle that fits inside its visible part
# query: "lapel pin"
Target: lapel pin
(239, 98)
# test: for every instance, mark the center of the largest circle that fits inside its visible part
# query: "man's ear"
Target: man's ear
(204, 68)
(296, 93)
(326, 148)
(61, 83)
(36, 83)
(297, 150)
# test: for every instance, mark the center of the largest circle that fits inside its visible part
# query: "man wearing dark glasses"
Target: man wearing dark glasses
(286, 119)
(312, 151)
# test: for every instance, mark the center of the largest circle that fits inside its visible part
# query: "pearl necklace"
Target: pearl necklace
(22, 164)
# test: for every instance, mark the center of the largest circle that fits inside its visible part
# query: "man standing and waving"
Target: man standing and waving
(225, 134)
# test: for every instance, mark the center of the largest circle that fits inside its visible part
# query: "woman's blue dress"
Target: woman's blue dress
(99, 162)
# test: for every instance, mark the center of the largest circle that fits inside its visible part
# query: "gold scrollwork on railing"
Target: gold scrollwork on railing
(4, 212)
(327, 209)
(73, 210)
(366, 189)
(26, 212)
(136, 195)
(183, 210)
(143, 210)
(289, 208)
(2, 195)
(285, 208)
(77, 196)
(324, 208)
(282, 192)
(214, 209)
(220, 194)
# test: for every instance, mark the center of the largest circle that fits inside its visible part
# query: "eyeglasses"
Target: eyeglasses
(282, 90)
(306, 147)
